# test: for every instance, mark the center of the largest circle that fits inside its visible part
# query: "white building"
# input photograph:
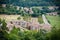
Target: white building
(3, 5)
(26, 9)
(17, 7)
(31, 11)
(51, 7)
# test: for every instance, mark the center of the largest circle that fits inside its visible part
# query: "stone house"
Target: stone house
(51, 7)
(3, 5)
(16, 23)
(26, 9)
(52, 13)
(31, 11)
(18, 7)
(28, 25)
(24, 24)
(33, 26)
(46, 27)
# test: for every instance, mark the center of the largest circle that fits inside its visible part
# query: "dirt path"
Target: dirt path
(44, 19)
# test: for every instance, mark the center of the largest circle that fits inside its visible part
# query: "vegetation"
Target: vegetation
(29, 3)
(40, 20)
(3, 30)
(54, 20)
(17, 34)
(27, 17)
(11, 9)
(19, 18)
(54, 34)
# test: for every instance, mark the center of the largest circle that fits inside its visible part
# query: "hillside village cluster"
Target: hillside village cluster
(27, 25)
(32, 25)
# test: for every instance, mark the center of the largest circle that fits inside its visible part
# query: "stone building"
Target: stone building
(3, 5)
(52, 13)
(17, 7)
(28, 25)
(24, 24)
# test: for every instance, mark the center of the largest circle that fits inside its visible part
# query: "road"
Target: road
(44, 19)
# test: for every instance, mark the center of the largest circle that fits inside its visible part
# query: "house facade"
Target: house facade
(27, 25)
(24, 24)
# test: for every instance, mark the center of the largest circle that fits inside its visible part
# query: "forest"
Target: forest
(30, 3)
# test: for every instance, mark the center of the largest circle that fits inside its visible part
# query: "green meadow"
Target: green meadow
(54, 20)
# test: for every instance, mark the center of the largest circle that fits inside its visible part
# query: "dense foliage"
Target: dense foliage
(37, 11)
(3, 30)
(30, 3)
(40, 20)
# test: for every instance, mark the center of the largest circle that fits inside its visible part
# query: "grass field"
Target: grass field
(10, 17)
(14, 17)
(54, 20)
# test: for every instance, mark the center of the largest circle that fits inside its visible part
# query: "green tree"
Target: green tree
(40, 20)
(54, 34)
(26, 17)
(18, 18)
(13, 35)
(3, 31)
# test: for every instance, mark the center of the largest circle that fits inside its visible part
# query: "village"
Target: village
(33, 24)
(29, 20)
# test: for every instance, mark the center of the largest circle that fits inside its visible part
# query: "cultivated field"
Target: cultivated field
(14, 17)
(54, 20)
(10, 17)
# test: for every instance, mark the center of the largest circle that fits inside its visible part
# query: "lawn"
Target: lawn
(10, 17)
(40, 20)
(14, 17)
(54, 20)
